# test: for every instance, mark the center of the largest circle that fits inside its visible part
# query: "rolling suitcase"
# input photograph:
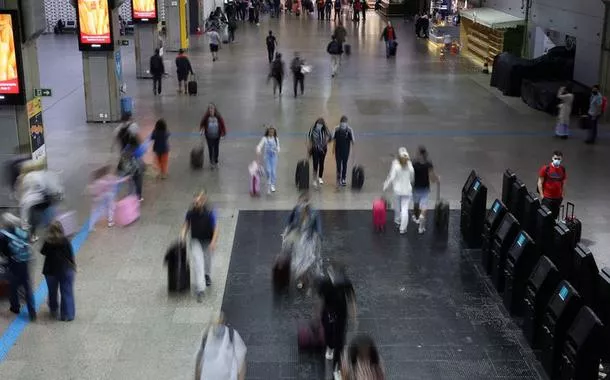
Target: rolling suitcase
(69, 223)
(255, 178)
(197, 158)
(178, 271)
(347, 49)
(357, 177)
(573, 223)
(127, 210)
(310, 335)
(192, 87)
(441, 212)
(379, 214)
(301, 177)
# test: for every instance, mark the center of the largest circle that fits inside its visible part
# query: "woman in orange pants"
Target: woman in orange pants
(160, 138)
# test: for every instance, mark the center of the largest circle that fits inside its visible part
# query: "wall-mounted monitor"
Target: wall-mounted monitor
(12, 89)
(144, 11)
(94, 25)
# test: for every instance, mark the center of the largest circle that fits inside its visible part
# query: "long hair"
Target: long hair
(363, 341)
(161, 126)
(55, 233)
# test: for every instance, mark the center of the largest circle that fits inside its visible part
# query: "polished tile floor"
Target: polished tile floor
(126, 326)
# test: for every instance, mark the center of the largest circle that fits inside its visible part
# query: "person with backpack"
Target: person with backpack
(277, 73)
(597, 105)
(338, 300)
(183, 69)
(317, 146)
(551, 183)
(59, 269)
(127, 133)
(388, 35)
(343, 140)
(202, 223)
(298, 74)
(15, 247)
(271, 43)
(401, 178)
(335, 50)
(423, 171)
(160, 138)
(269, 149)
(212, 127)
(157, 70)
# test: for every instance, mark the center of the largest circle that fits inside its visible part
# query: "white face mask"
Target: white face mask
(318, 126)
(556, 162)
(343, 124)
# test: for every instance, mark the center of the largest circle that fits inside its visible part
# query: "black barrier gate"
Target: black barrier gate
(520, 261)
(503, 240)
(472, 216)
(492, 222)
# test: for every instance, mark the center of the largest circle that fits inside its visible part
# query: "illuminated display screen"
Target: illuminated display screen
(521, 240)
(11, 76)
(496, 206)
(144, 11)
(94, 27)
(476, 185)
(563, 293)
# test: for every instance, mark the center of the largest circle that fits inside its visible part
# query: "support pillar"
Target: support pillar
(604, 67)
(146, 39)
(17, 135)
(102, 74)
(177, 24)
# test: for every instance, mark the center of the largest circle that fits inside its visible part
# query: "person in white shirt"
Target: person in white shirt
(566, 98)
(401, 177)
(268, 148)
(214, 38)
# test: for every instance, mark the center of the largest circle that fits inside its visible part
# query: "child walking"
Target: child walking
(160, 138)
(269, 147)
(103, 189)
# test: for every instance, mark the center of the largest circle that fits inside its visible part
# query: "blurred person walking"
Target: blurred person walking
(132, 166)
(361, 360)
(596, 109)
(423, 172)
(14, 246)
(160, 138)
(388, 35)
(343, 140)
(127, 133)
(335, 49)
(214, 41)
(202, 227)
(401, 177)
(269, 149)
(183, 69)
(566, 98)
(59, 270)
(157, 70)
(212, 127)
(271, 43)
(277, 73)
(317, 145)
(103, 189)
(298, 72)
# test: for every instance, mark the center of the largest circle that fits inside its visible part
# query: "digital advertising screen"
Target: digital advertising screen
(144, 11)
(94, 25)
(11, 75)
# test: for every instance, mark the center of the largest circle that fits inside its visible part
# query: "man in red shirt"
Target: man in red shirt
(551, 182)
(389, 36)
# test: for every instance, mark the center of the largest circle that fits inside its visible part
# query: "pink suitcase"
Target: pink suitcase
(127, 210)
(310, 335)
(69, 222)
(255, 178)
(379, 214)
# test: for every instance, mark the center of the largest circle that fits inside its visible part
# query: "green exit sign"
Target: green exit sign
(43, 92)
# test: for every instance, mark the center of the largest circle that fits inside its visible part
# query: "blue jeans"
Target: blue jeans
(65, 284)
(271, 167)
(20, 278)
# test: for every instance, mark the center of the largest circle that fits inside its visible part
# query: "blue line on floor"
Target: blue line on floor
(16, 327)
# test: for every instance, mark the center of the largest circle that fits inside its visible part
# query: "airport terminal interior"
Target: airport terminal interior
(425, 300)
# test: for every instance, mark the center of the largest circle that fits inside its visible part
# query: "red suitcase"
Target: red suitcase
(379, 214)
(311, 335)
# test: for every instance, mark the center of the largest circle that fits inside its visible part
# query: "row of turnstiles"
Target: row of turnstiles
(547, 278)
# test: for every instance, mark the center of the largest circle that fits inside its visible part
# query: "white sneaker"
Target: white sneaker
(329, 353)
(421, 229)
(272, 189)
(315, 183)
(320, 181)
(337, 375)
(402, 232)
(110, 224)
(414, 219)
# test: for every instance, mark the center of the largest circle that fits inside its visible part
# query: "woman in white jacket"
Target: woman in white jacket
(269, 148)
(401, 178)
(566, 98)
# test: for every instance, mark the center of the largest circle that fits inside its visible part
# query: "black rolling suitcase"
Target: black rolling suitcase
(572, 222)
(191, 86)
(441, 212)
(178, 272)
(357, 177)
(347, 49)
(197, 158)
(301, 176)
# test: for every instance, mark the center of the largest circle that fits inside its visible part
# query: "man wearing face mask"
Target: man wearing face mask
(344, 139)
(551, 182)
(595, 111)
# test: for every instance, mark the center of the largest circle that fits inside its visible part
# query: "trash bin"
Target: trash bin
(126, 105)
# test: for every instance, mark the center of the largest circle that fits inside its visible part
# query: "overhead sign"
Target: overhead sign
(144, 11)
(94, 26)
(43, 92)
(39, 151)
(11, 69)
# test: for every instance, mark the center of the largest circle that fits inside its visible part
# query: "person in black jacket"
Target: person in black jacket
(277, 73)
(183, 69)
(157, 69)
(59, 269)
(297, 73)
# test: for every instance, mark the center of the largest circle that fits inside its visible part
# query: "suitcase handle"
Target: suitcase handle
(569, 206)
